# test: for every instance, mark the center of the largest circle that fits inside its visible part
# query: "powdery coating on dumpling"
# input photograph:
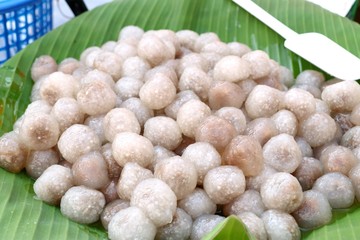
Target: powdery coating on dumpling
(264, 101)
(96, 75)
(218, 47)
(280, 225)
(114, 168)
(351, 139)
(96, 98)
(308, 171)
(57, 85)
(187, 38)
(235, 116)
(111, 209)
(223, 184)
(314, 212)
(120, 120)
(190, 115)
(128, 87)
(51, 186)
(131, 175)
(282, 191)
(355, 115)
(245, 152)
(337, 188)
(260, 65)
(135, 67)
(69, 65)
(204, 225)
(256, 181)
(318, 129)
(141, 111)
(225, 94)
(110, 63)
(197, 203)
(67, 112)
(179, 228)
(132, 147)
(282, 153)
(131, 223)
(42, 66)
(232, 69)
(154, 50)
(39, 131)
(285, 122)
(300, 102)
(82, 204)
(338, 159)
(254, 224)
(163, 131)
(216, 131)
(156, 199)
(178, 173)
(204, 157)
(195, 79)
(38, 106)
(262, 129)
(125, 50)
(158, 92)
(238, 49)
(192, 59)
(76, 141)
(12, 153)
(181, 98)
(131, 33)
(342, 96)
(90, 170)
(310, 77)
(38, 161)
(354, 176)
(249, 201)
(96, 123)
(304, 146)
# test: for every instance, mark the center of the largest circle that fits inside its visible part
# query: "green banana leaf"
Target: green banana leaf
(22, 216)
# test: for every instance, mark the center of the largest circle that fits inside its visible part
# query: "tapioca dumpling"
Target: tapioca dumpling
(90, 170)
(83, 140)
(163, 131)
(204, 225)
(264, 101)
(197, 203)
(225, 94)
(315, 211)
(282, 153)
(120, 120)
(51, 186)
(190, 115)
(216, 131)
(223, 184)
(38, 161)
(12, 153)
(180, 174)
(39, 131)
(111, 209)
(131, 175)
(156, 199)
(179, 228)
(262, 129)
(246, 153)
(204, 157)
(282, 191)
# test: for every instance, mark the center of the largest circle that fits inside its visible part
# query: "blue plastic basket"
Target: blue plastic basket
(22, 22)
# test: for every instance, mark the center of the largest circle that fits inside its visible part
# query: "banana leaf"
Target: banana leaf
(22, 216)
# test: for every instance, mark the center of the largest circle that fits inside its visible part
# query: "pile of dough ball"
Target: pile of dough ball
(162, 134)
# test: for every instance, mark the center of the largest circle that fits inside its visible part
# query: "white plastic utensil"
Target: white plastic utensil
(314, 47)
